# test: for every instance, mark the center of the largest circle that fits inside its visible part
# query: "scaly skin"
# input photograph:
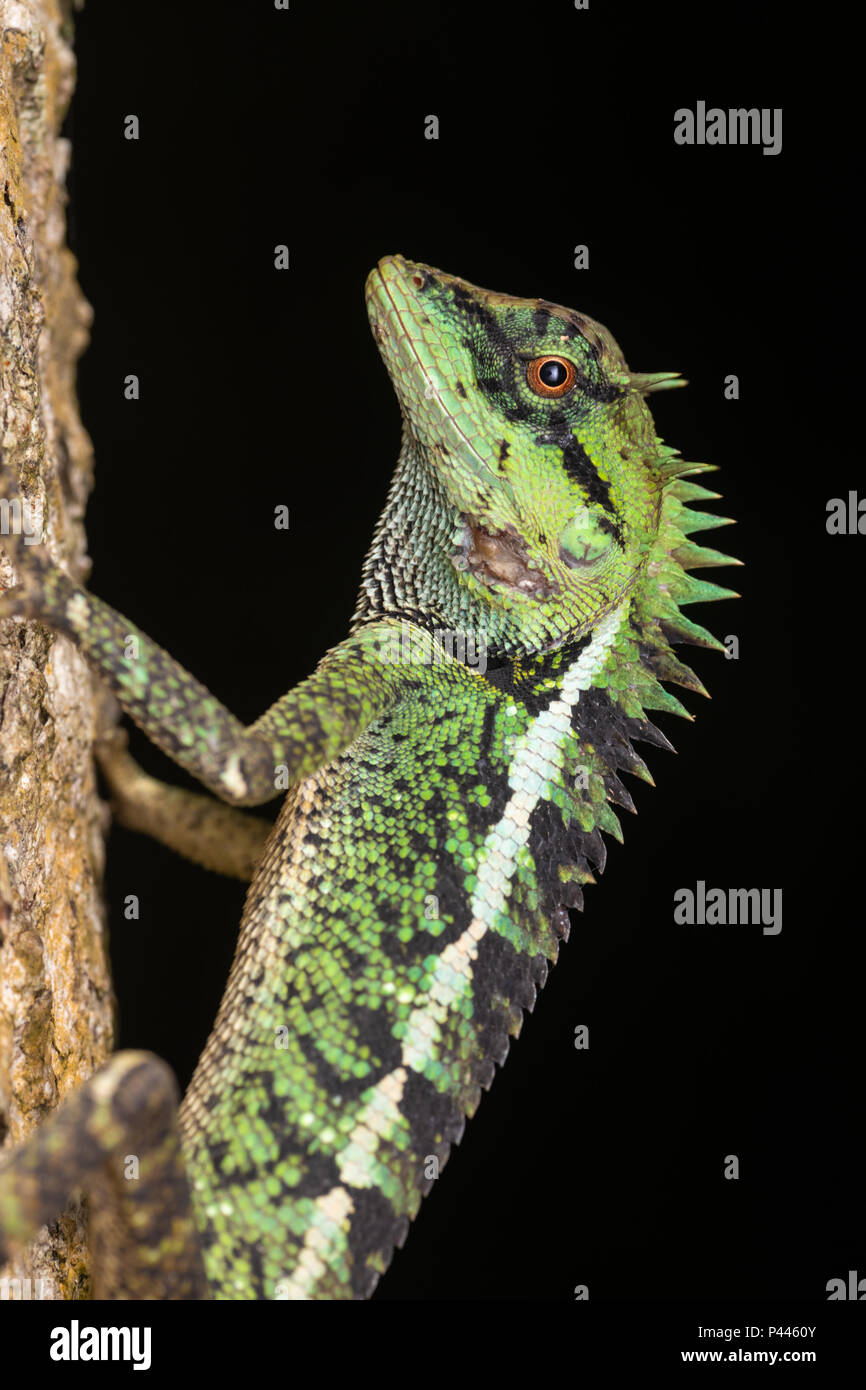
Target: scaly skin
(444, 812)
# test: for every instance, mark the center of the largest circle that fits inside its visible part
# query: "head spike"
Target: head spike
(693, 557)
(646, 382)
(670, 466)
(685, 491)
(689, 520)
(681, 630)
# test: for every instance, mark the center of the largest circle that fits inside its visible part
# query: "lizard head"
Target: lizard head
(537, 447)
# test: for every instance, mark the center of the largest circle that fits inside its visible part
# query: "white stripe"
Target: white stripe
(535, 765)
(320, 1241)
(381, 1118)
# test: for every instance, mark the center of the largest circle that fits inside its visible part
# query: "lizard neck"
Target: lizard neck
(408, 572)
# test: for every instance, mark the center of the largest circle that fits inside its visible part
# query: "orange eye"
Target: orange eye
(551, 376)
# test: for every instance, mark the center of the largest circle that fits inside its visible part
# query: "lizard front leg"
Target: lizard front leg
(353, 685)
(110, 1119)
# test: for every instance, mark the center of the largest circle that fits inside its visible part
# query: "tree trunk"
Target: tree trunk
(56, 1006)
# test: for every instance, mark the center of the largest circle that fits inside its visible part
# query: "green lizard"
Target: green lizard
(451, 768)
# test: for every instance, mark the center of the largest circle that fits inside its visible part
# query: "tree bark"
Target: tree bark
(56, 1004)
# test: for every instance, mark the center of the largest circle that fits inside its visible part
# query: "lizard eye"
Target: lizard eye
(550, 376)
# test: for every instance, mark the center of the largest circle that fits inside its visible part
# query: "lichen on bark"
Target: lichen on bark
(56, 1004)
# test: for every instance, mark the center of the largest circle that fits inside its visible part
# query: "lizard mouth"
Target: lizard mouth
(498, 558)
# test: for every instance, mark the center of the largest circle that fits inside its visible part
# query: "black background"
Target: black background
(261, 387)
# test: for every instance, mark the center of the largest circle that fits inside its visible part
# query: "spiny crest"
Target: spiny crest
(614, 714)
(641, 658)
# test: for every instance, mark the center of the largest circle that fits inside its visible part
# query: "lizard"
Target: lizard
(452, 767)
